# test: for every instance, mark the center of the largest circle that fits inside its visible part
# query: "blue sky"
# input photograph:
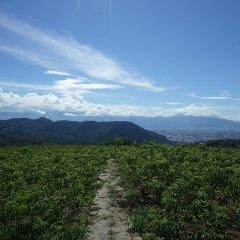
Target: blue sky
(120, 57)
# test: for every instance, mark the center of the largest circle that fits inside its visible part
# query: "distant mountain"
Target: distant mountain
(174, 122)
(42, 130)
(153, 123)
(185, 122)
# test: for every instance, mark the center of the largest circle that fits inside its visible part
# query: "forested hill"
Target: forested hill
(18, 131)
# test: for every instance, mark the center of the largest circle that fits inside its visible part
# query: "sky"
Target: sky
(120, 58)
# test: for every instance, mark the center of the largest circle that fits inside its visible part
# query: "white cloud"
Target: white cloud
(223, 95)
(41, 112)
(65, 54)
(76, 85)
(53, 72)
(68, 85)
(194, 110)
(173, 103)
(70, 115)
(72, 105)
(216, 97)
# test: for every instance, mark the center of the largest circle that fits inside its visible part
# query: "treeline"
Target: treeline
(229, 143)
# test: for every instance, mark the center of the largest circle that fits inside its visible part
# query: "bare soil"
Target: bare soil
(110, 220)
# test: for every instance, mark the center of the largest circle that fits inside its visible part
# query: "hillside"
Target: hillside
(20, 131)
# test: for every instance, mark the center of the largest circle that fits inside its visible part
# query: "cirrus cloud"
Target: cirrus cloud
(68, 85)
(54, 72)
(223, 95)
(65, 54)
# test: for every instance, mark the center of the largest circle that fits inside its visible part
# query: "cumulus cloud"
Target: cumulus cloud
(194, 110)
(74, 104)
(65, 54)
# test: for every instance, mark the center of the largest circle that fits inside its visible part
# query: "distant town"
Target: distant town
(196, 135)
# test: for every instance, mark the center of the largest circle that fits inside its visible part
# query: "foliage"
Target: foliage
(182, 192)
(231, 143)
(120, 141)
(46, 192)
(174, 192)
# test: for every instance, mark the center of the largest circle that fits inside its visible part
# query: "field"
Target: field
(173, 192)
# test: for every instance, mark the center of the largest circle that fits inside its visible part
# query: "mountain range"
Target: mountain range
(152, 123)
(19, 131)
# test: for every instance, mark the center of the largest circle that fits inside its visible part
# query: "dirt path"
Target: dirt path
(110, 222)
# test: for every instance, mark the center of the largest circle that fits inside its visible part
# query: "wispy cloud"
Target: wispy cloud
(65, 54)
(78, 5)
(24, 85)
(54, 72)
(173, 103)
(68, 85)
(216, 97)
(76, 84)
(223, 95)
